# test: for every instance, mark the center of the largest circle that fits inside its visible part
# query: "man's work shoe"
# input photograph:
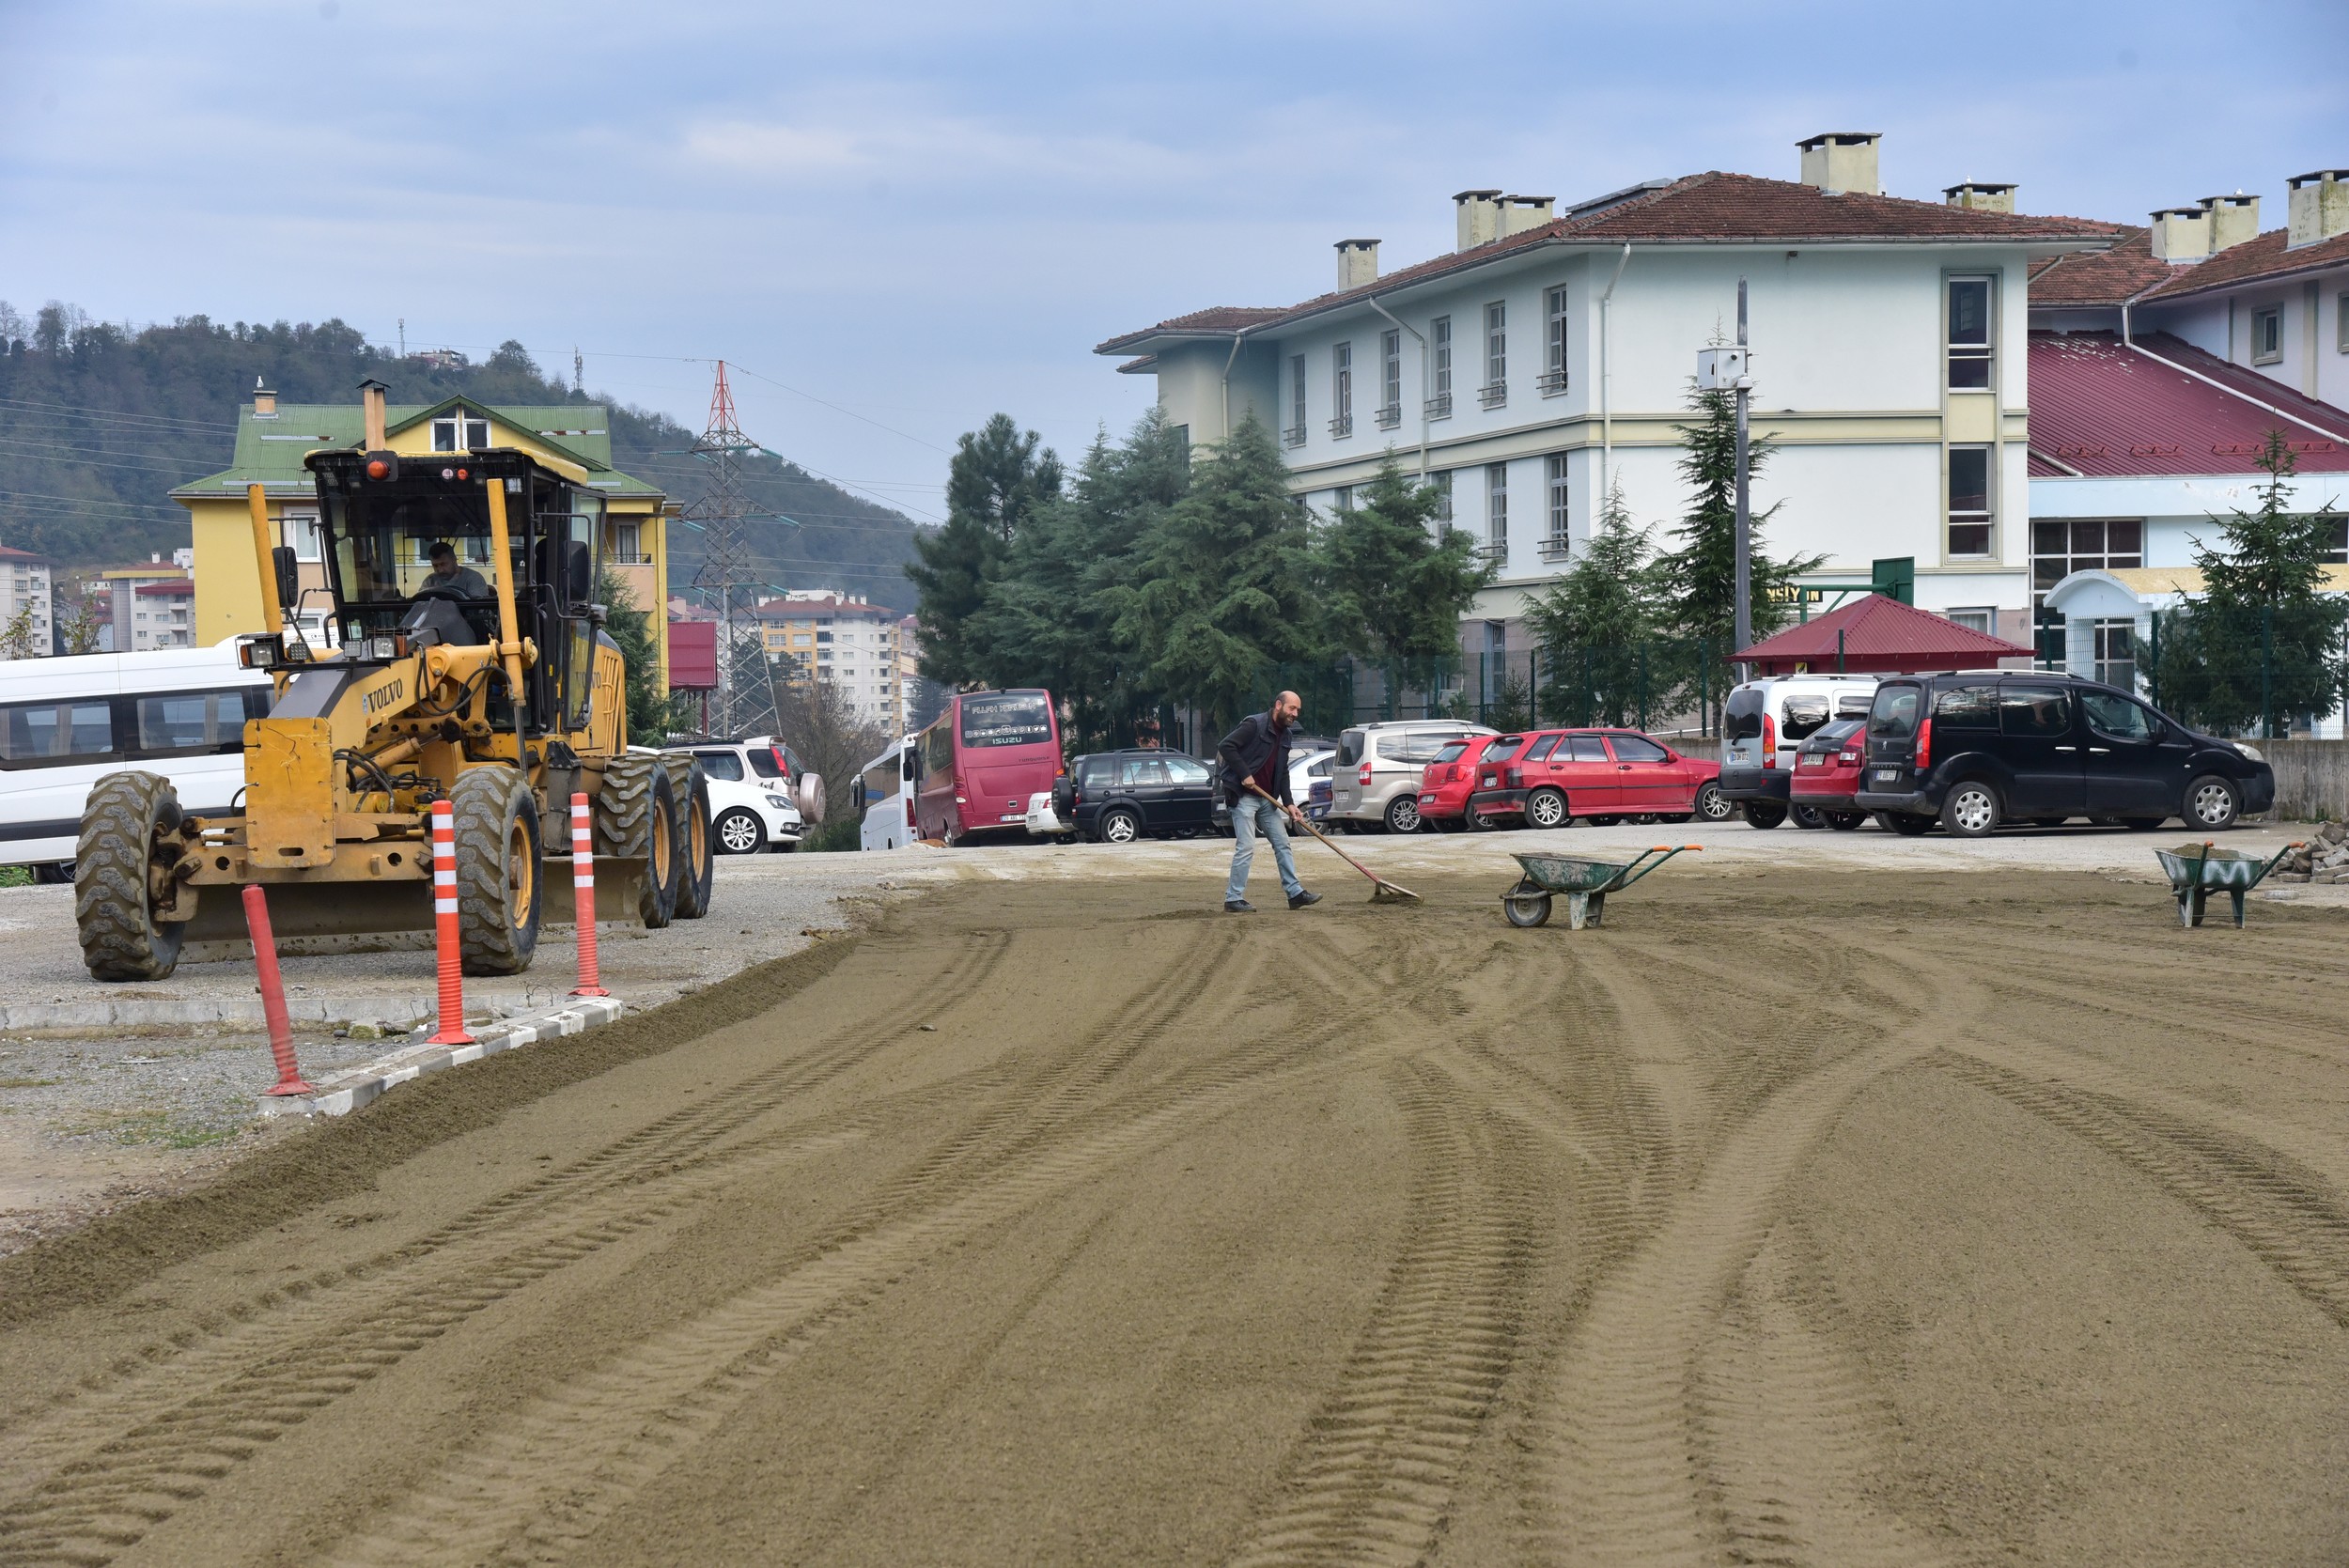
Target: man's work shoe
(1304, 898)
(1239, 906)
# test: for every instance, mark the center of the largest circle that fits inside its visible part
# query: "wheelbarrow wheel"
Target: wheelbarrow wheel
(1526, 906)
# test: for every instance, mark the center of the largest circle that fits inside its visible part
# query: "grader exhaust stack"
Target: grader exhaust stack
(465, 663)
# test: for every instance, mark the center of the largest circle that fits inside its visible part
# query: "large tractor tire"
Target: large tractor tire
(499, 894)
(697, 863)
(636, 818)
(120, 865)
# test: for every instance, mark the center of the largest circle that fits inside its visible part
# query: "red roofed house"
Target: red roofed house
(1875, 635)
(2158, 368)
(1548, 355)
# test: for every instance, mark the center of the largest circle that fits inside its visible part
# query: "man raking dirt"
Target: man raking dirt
(1256, 763)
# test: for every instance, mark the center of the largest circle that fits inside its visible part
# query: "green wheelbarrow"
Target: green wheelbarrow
(2196, 869)
(1584, 883)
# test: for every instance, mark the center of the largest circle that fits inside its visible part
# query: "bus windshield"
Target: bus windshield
(1007, 719)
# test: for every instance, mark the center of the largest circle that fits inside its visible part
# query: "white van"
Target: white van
(1764, 722)
(885, 799)
(67, 722)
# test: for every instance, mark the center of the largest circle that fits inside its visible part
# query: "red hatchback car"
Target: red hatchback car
(1548, 778)
(1451, 777)
(1827, 776)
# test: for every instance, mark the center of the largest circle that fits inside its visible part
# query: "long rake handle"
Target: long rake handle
(1254, 788)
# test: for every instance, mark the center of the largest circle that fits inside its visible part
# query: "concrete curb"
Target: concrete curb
(348, 1092)
(131, 1012)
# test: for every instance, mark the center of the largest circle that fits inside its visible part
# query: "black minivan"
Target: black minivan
(1983, 747)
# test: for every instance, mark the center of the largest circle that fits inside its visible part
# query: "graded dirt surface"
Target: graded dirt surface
(1793, 1216)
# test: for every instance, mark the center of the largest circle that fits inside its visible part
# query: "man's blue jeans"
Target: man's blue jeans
(1255, 815)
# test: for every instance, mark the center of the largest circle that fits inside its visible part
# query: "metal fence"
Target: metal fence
(1667, 686)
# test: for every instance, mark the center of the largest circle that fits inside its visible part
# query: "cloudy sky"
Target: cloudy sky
(899, 217)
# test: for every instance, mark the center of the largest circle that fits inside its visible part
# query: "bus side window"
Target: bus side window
(191, 721)
(52, 733)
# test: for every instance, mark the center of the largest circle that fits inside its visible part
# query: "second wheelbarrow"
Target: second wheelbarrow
(2198, 870)
(1584, 883)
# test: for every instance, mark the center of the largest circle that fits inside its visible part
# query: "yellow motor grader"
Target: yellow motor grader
(467, 664)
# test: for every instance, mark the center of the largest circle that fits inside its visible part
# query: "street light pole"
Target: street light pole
(1745, 520)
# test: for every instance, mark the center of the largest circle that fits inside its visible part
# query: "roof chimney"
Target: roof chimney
(1981, 195)
(1519, 213)
(2232, 220)
(264, 401)
(1477, 213)
(371, 398)
(1840, 161)
(2181, 233)
(2319, 206)
(1357, 263)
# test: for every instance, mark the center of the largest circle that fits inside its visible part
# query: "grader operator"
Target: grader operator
(471, 666)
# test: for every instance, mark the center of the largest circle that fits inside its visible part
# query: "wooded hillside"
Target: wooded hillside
(98, 424)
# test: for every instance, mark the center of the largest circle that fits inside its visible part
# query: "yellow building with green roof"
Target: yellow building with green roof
(273, 438)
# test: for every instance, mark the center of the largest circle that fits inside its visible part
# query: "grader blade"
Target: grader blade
(310, 919)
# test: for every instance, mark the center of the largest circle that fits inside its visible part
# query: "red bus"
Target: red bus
(982, 760)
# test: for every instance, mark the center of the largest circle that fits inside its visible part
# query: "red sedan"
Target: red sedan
(1445, 787)
(1826, 775)
(1601, 775)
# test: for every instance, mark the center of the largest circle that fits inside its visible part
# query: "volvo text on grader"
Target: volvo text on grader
(491, 686)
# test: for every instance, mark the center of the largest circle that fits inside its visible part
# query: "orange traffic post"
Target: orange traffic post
(584, 895)
(273, 993)
(447, 943)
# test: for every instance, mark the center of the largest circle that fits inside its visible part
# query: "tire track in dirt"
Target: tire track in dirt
(535, 1489)
(2288, 1217)
(1371, 1479)
(175, 1443)
(1788, 1432)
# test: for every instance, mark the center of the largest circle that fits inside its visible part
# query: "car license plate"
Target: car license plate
(1885, 775)
(1013, 816)
(1428, 799)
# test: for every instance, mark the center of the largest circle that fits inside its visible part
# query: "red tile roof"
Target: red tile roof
(1881, 636)
(2103, 409)
(9, 554)
(183, 588)
(2090, 278)
(2253, 260)
(1713, 208)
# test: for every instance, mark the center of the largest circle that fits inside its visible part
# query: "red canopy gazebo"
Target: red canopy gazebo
(1875, 635)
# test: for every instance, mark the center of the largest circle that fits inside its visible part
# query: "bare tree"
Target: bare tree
(817, 721)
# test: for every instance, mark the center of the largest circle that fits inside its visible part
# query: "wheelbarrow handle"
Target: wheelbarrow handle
(1636, 870)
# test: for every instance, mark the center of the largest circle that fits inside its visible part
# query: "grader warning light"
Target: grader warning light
(382, 467)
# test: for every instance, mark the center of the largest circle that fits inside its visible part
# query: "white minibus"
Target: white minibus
(65, 723)
(885, 800)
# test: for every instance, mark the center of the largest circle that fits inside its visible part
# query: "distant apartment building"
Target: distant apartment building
(844, 641)
(131, 613)
(25, 592)
(1549, 356)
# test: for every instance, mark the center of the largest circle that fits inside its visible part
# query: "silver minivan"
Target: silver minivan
(1373, 778)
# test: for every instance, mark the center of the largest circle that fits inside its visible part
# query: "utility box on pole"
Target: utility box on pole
(1723, 369)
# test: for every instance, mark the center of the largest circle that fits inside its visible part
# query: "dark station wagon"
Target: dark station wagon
(1977, 749)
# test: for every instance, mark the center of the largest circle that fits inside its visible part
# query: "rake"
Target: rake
(1381, 891)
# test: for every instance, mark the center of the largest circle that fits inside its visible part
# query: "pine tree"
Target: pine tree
(1220, 586)
(1393, 591)
(2264, 641)
(1594, 623)
(652, 712)
(997, 480)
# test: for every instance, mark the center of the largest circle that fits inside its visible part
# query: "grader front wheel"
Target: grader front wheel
(497, 870)
(696, 855)
(636, 818)
(119, 869)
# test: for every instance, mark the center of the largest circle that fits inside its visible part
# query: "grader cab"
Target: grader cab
(467, 664)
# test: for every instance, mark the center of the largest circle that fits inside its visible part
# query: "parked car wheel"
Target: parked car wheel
(1711, 804)
(1905, 825)
(1970, 810)
(1402, 813)
(1546, 809)
(1478, 822)
(1120, 827)
(1807, 817)
(739, 831)
(1844, 822)
(2213, 803)
(1448, 824)
(1763, 814)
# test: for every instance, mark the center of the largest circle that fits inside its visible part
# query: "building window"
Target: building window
(1495, 391)
(1295, 434)
(627, 549)
(1554, 370)
(2060, 548)
(461, 431)
(1555, 545)
(1984, 620)
(1442, 481)
(2116, 653)
(1343, 501)
(1439, 345)
(2267, 335)
(1970, 335)
(301, 531)
(1496, 511)
(1969, 500)
(1390, 380)
(1342, 390)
